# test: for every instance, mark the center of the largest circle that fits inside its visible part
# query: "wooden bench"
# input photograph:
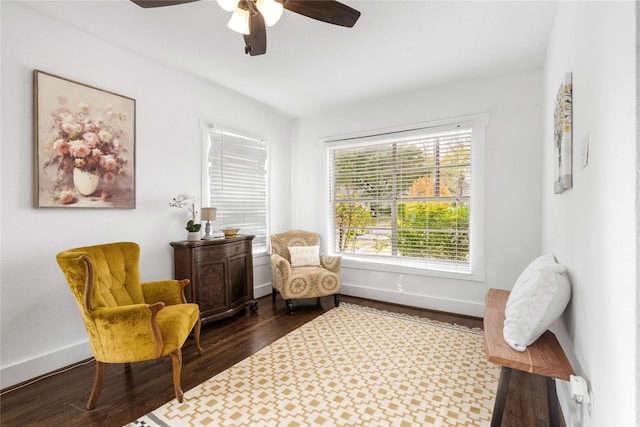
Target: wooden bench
(544, 357)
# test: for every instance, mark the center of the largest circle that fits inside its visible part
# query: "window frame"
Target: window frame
(476, 270)
(207, 135)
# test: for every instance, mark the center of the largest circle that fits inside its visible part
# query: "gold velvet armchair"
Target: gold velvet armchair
(128, 321)
(301, 272)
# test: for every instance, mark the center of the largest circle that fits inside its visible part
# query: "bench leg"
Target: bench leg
(552, 397)
(501, 396)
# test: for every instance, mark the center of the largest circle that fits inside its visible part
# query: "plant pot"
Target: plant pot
(85, 182)
(193, 236)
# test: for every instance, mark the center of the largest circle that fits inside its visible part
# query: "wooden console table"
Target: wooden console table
(220, 272)
(544, 357)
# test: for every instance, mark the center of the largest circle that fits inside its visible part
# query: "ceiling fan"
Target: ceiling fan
(251, 17)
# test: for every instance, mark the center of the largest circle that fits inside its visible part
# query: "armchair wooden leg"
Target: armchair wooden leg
(176, 361)
(98, 382)
(128, 375)
(273, 294)
(336, 299)
(289, 305)
(196, 335)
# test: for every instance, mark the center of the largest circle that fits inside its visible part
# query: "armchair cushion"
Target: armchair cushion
(175, 323)
(305, 256)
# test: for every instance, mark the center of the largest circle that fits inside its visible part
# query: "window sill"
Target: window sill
(408, 267)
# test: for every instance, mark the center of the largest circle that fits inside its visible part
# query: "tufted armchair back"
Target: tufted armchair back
(116, 276)
(281, 242)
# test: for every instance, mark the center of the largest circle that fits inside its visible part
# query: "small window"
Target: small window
(235, 182)
(407, 197)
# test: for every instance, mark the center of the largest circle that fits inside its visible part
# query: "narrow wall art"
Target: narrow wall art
(562, 129)
(84, 143)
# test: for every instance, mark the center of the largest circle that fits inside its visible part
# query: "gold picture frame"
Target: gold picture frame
(84, 144)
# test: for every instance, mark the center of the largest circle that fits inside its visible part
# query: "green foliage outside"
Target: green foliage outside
(351, 219)
(433, 230)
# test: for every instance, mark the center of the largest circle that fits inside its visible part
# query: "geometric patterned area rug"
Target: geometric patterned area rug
(352, 366)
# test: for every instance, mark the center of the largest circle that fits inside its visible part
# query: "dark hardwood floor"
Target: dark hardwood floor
(60, 399)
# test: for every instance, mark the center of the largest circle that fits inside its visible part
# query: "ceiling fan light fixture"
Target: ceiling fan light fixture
(239, 21)
(228, 5)
(271, 10)
(251, 17)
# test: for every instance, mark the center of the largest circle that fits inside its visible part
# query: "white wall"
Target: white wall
(592, 227)
(513, 155)
(41, 327)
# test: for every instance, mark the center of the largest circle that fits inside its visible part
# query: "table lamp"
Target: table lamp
(208, 215)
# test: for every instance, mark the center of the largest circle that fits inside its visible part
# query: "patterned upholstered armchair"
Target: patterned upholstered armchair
(128, 321)
(298, 271)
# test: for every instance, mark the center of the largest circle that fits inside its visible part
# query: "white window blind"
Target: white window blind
(237, 183)
(403, 196)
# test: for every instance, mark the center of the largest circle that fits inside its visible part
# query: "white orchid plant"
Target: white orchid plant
(188, 202)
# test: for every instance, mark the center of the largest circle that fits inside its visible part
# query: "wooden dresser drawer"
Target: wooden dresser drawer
(205, 253)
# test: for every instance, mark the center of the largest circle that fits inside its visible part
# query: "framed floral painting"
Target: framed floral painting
(84, 141)
(562, 135)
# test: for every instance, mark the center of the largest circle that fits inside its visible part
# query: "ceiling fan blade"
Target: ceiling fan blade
(330, 11)
(160, 3)
(256, 41)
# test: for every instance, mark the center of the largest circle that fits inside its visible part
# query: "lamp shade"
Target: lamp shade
(271, 11)
(239, 21)
(228, 5)
(208, 214)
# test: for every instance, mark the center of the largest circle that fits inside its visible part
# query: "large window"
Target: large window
(235, 182)
(406, 197)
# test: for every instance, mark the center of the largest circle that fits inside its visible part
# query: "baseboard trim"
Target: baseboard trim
(262, 290)
(43, 365)
(466, 308)
(571, 412)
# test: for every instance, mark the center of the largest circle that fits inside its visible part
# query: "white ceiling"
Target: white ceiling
(310, 66)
